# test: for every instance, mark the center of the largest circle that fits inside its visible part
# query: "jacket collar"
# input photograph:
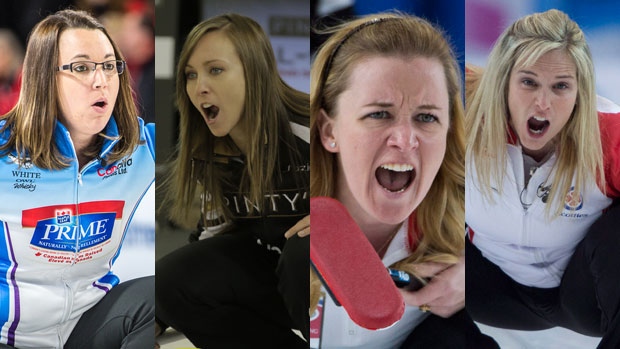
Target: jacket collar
(65, 145)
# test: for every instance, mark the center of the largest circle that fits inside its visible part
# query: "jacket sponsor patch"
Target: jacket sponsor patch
(117, 169)
(72, 228)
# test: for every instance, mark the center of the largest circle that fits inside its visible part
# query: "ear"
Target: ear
(326, 130)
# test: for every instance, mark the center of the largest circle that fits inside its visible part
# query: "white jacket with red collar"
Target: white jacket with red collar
(532, 249)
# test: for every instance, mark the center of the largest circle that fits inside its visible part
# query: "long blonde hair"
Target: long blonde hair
(34, 117)
(579, 152)
(440, 215)
(268, 107)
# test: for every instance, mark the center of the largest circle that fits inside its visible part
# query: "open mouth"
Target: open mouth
(210, 111)
(537, 125)
(395, 178)
(100, 104)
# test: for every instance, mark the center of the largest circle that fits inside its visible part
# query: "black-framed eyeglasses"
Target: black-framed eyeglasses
(86, 69)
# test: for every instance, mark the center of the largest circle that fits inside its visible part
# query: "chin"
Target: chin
(535, 146)
(393, 215)
(217, 133)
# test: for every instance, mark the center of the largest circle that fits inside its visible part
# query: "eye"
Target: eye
(561, 86)
(426, 118)
(109, 65)
(190, 75)
(528, 82)
(216, 71)
(378, 115)
(80, 67)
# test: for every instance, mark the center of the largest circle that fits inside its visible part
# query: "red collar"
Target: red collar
(413, 234)
(511, 136)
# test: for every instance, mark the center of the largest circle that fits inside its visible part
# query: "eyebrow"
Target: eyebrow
(429, 107)
(205, 63)
(388, 105)
(379, 104)
(85, 56)
(523, 71)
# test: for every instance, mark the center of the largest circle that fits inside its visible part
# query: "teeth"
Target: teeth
(538, 118)
(397, 167)
(206, 105)
(536, 131)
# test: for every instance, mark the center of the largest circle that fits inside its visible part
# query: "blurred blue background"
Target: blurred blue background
(446, 14)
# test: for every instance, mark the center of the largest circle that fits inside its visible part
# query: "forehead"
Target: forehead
(90, 44)
(418, 79)
(214, 45)
(554, 61)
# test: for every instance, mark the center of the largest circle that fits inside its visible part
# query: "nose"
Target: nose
(543, 99)
(403, 136)
(100, 79)
(203, 87)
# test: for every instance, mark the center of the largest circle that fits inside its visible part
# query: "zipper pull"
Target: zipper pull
(79, 178)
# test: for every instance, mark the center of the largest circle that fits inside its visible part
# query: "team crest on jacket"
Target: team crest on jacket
(573, 202)
(71, 233)
(23, 162)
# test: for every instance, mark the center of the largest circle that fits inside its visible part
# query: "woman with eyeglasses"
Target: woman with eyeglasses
(75, 161)
(243, 147)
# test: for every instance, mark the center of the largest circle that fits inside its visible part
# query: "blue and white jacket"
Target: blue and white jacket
(60, 233)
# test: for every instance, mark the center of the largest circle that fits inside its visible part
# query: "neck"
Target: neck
(242, 145)
(540, 154)
(81, 144)
(240, 138)
(381, 238)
